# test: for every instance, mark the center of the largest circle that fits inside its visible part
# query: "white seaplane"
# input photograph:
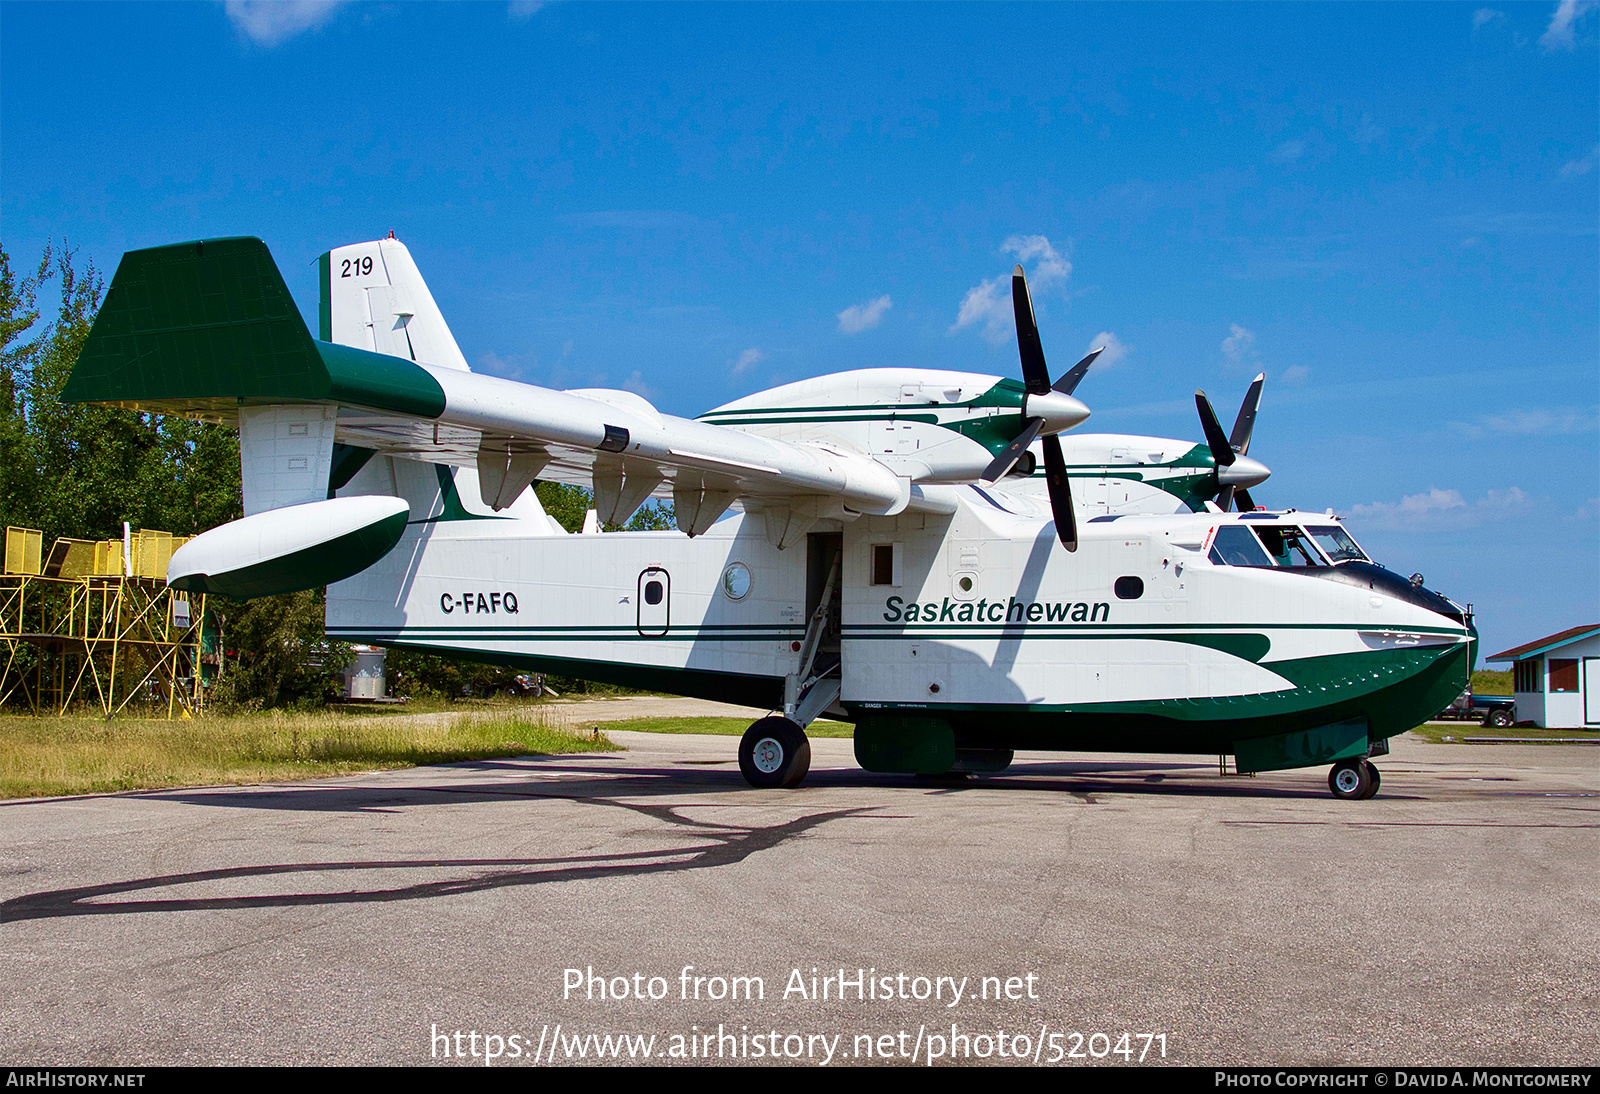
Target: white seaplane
(880, 546)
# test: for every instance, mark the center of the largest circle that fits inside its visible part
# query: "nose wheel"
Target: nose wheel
(1354, 780)
(774, 754)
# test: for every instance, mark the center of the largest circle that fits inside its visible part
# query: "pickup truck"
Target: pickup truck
(1491, 710)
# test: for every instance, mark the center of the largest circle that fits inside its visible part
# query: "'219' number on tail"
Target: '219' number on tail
(357, 267)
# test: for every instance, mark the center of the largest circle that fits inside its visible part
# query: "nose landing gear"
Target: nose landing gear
(1354, 780)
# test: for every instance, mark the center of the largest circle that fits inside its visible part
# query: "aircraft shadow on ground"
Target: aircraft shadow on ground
(719, 845)
(592, 781)
(585, 779)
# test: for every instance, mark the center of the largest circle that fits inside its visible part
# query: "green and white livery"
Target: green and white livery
(921, 552)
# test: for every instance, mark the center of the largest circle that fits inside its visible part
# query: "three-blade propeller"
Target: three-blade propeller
(1048, 409)
(1235, 469)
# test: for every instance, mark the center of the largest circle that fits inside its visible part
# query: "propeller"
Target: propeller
(1235, 469)
(1048, 409)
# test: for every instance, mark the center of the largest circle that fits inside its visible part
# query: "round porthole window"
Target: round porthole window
(736, 581)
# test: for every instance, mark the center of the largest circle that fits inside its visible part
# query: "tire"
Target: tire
(774, 754)
(1351, 780)
(1377, 779)
(1500, 718)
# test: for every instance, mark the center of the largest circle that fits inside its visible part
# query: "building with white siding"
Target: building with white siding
(1556, 679)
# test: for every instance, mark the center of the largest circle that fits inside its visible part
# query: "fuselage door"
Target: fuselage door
(654, 601)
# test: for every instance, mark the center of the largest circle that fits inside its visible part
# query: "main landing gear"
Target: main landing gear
(1354, 780)
(774, 754)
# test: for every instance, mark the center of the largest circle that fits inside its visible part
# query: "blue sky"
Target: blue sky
(1390, 209)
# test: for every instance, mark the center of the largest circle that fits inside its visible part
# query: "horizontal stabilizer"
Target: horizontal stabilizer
(203, 328)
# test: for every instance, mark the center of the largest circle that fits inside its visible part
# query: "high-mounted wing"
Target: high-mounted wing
(208, 329)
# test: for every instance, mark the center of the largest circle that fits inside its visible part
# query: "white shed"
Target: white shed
(1556, 679)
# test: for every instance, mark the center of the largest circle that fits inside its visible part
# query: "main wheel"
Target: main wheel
(1351, 780)
(1501, 718)
(774, 754)
(1377, 779)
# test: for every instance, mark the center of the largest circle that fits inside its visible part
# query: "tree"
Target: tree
(277, 655)
(568, 505)
(81, 470)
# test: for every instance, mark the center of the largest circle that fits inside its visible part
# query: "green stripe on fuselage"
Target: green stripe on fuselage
(1394, 690)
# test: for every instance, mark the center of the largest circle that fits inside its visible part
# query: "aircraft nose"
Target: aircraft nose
(1243, 472)
(1060, 412)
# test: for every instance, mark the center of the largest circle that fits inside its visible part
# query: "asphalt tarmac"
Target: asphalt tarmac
(1450, 920)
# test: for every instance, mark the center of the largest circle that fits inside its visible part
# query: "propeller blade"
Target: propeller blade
(1003, 463)
(1242, 496)
(1221, 450)
(1035, 373)
(1068, 383)
(1225, 498)
(1239, 439)
(1055, 476)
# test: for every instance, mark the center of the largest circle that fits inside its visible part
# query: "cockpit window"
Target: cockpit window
(1289, 546)
(1235, 546)
(1337, 544)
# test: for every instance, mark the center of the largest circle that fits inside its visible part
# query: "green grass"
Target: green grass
(1491, 682)
(45, 756)
(721, 727)
(1458, 730)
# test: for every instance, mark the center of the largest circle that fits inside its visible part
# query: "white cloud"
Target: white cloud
(1239, 348)
(1559, 35)
(1296, 375)
(859, 317)
(748, 360)
(1439, 510)
(1116, 350)
(272, 22)
(635, 383)
(1287, 152)
(1531, 423)
(1583, 165)
(1484, 16)
(1050, 267)
(983, 303)
(1366, 131)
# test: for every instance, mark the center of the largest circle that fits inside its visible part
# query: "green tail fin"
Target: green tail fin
(202, 328)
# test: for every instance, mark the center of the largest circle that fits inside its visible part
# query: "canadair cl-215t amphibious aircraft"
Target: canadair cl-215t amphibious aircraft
(878, 545)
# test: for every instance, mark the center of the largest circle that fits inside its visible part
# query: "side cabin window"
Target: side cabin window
(1289, 546)
(1237, 545)
(883, 564)
(1234, 545)
(1337, 544)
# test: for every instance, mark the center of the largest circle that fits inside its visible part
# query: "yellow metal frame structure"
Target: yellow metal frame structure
(108, 638)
